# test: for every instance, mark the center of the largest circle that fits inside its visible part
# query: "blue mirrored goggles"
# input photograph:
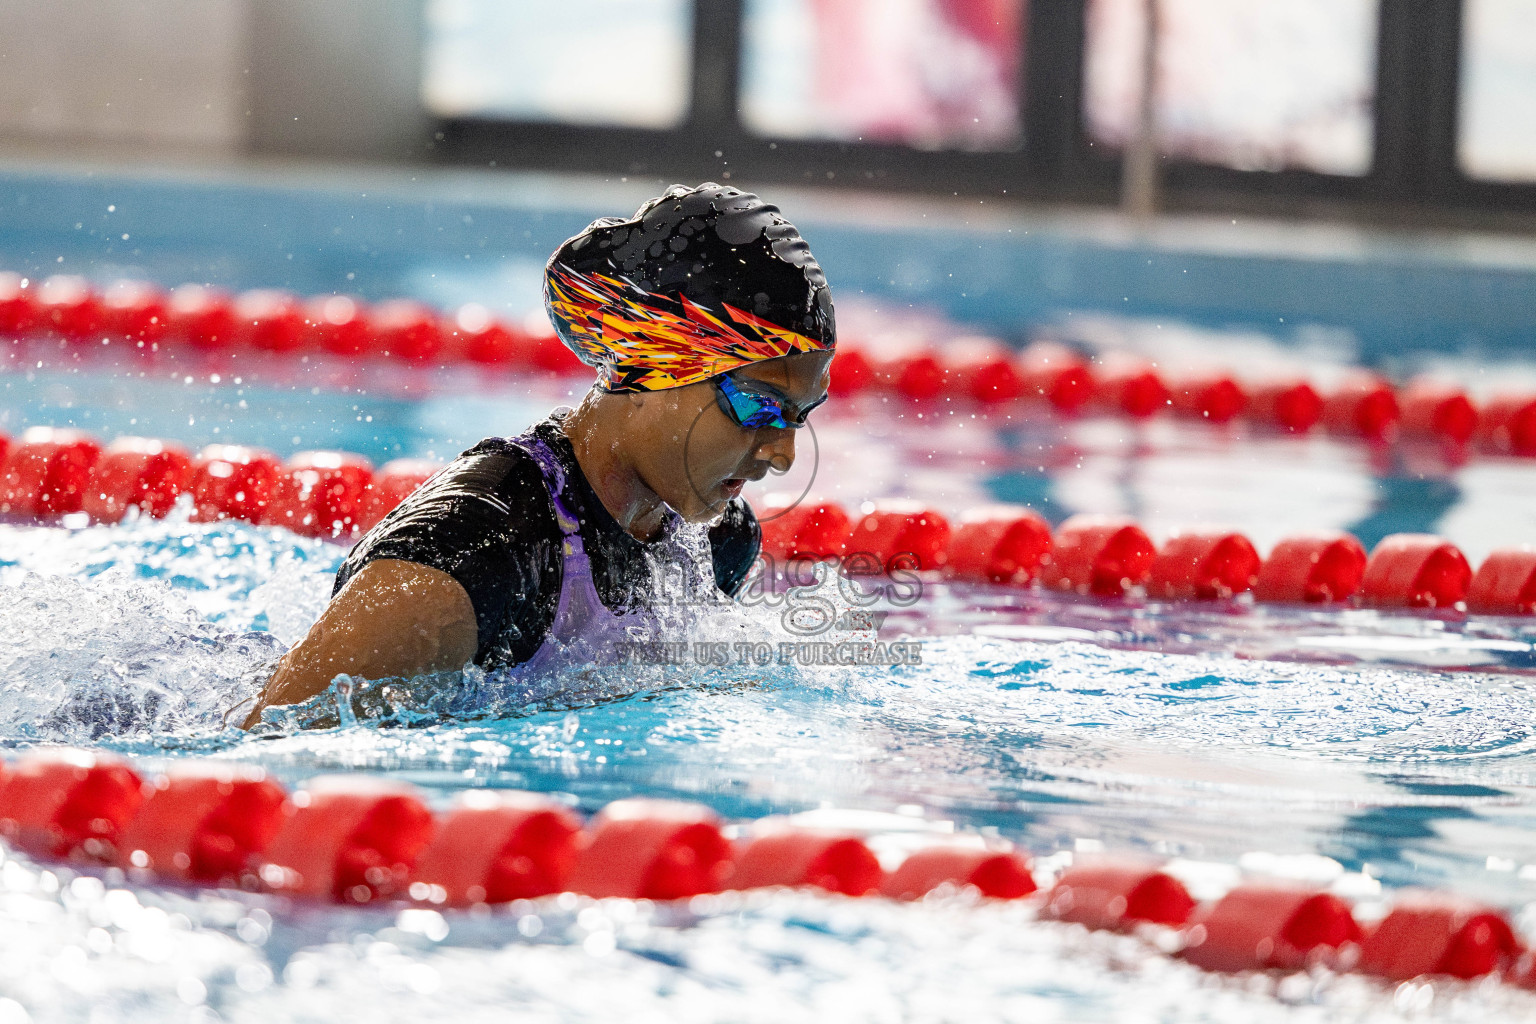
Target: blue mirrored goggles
(752, 409)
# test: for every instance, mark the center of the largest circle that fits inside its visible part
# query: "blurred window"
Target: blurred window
(934, 74)
(1250, 84)
(1498, 89)
(613, 62)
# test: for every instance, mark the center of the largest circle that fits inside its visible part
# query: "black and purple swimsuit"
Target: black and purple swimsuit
(552, 576)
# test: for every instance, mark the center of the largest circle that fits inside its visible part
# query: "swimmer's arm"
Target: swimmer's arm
(393, 618)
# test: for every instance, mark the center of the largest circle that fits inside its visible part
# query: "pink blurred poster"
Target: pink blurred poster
(929, 73)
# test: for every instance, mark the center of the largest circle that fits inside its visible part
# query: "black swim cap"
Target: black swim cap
(698, 282)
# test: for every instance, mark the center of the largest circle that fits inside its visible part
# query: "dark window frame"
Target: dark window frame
(1414, 168)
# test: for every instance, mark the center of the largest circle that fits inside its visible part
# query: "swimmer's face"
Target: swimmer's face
(707, 458)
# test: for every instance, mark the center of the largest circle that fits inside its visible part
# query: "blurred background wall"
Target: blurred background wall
(1403, 110)
(336, 78)
(176, 78)
(157, 73)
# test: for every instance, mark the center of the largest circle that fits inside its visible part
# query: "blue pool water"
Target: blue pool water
(1363, 751)
(135, 638)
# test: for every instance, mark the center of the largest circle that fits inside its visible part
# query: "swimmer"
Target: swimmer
(711, 329)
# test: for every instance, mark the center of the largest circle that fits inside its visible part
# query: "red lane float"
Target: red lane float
(999, 544)
(18, 304)
(1505, 584)
(1508, 424)
(1215, 398)
(1057, 374)
(351, 838)
(137, 472)
(203, 822)
(395, 481)
(360, 838)
(338, 324)
(264, 319)
(987, 380)
(233, 481)
(817, 531)
(1415, 570)
(327, 493)
(1132, 386)
(1100, 555)
(201, 317)
(270, 320)
(852, 373)
(834, 861)
(901, 534)
(1313, 568)
(652, 849)
(885, 369)
(47, 472)
(481, 338)
(1203, 565)
(495, 847)
(60, 802)
(1435, 409)
(134, 311)
(406, 330)
(1363, 405)
(547, 353)
(982, 370)
(996, 874)
(1291, 405)
(1113, 895)
(1263, 926)
(921, 377)
(1436, 933)
(69, 308)
(52, 472)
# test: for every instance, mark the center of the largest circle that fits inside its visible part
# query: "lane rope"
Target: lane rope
(363, 839)
(985, 373)
(65, 475)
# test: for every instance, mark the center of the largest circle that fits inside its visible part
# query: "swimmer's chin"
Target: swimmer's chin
(719, 498)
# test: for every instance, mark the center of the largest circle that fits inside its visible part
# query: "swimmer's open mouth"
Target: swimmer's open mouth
(733, 486)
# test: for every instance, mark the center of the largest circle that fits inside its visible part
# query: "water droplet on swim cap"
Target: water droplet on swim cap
(713, 246)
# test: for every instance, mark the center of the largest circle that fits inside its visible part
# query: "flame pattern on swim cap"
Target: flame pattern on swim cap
(698, 282)
(644, 341)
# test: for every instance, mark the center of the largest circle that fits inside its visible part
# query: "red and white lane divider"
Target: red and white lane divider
(987, 373)
(1363, 405)
(143, 316)
(361, 839)
(1110, 556)
(52, 472)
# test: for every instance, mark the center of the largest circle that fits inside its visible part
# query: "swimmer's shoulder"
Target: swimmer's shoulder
(490, 500)
(486, 519)
(497, 470)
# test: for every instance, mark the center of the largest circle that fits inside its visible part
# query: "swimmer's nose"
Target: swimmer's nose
(778, 450)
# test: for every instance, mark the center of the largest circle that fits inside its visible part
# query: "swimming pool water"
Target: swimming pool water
(1365, 751)
(1063, 725)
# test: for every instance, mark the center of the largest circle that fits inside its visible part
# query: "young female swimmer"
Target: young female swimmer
(711, 329)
